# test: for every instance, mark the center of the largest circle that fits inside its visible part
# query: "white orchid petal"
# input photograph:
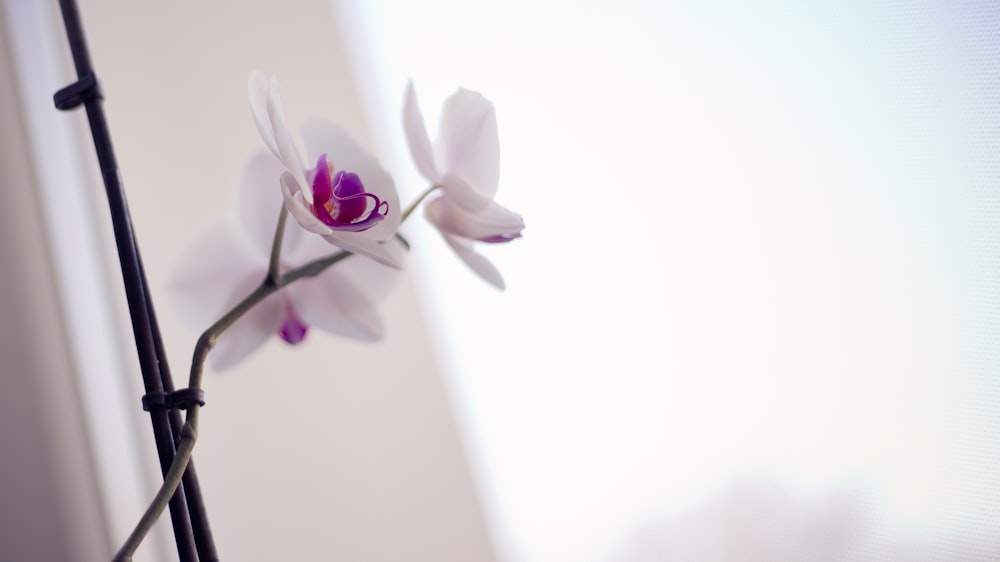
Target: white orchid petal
(374, 276)
(468, 145)
(258, 202)
(299, 208)
(334, 304)
(257, 88)
(250, 332)
(356, 243)
(492, 221)
(376, 279)
(459, 191)
(323, 137)
(417, 138)
(204, 276)
(308, 249)
(477, 262)
(287, 152)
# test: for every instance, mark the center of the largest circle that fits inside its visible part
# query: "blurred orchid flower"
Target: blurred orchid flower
(346, 197)
(230, 259)
(465, 163)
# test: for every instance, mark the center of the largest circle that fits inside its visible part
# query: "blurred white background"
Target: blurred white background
(752, 316)
(745, 288)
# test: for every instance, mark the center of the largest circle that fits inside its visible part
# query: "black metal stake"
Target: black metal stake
(203, 539)
(187, 512)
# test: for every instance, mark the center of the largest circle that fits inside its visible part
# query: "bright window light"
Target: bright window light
(758, 250)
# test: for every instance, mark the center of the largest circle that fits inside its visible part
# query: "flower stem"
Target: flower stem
(272, 283)
(208, 339)
(413, 206)
(279, 235)
(171, 480)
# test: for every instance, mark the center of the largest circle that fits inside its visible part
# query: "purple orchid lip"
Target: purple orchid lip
(500, 238)
(293, 329)
(341, 202)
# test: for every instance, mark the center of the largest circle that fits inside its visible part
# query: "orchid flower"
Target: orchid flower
(345, 197)
(231, 258)
(465, 164)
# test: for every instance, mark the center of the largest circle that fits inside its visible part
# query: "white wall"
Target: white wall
(305, 453)
(50, 503)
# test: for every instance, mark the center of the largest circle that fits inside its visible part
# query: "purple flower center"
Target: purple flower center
(293, 329)
(340, 200)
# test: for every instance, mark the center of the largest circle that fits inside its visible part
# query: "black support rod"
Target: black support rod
(187, 511)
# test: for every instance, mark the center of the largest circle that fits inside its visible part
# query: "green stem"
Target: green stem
(413, 206)
(171, 480)
(189, 432)
(273, 282)
(279, 235)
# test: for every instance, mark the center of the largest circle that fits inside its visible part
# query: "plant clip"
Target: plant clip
(86, 88)
(177, 400)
